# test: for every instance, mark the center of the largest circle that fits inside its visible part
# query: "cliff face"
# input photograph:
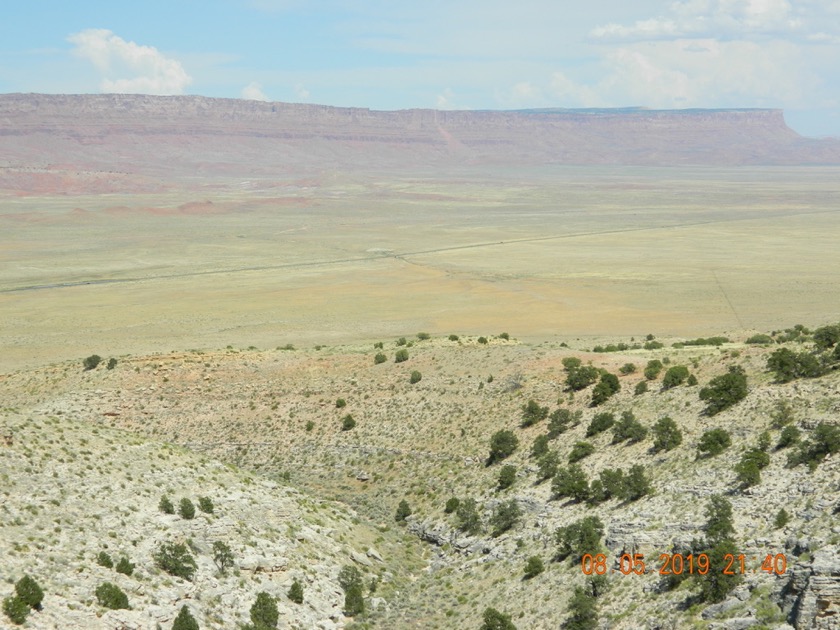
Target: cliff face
(147, 135)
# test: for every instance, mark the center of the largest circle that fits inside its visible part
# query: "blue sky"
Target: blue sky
(454, 54)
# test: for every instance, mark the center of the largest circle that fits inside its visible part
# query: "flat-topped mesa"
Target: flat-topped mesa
(150, 134)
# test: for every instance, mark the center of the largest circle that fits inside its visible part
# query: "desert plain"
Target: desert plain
(556, 251)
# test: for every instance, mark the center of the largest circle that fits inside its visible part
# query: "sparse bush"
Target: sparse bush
(571, 363)
(401, 356)
(482, 340)
(295, 593)
(748, 472)
(605, 389)
(185, 620)
(533, 567)
(111, 596)
(340, 403)
(186, 509)
(580, 450)
(222, 556)
(15, 609)
(504, 336)
(666, 435)
(451, 505)
(826, 337)
(347, 423)
(652, 369)
(378, 345)
(415, 377)
(760, 338)
(205, 504)
(824, 441)
(539, 446)
(692, 380)
(600, 422)
(627, 368)
(29, 592)
(641, 388)
(725, 390)
(350, 581)
(583, 611)
(453, 338)
(112, 363)
(507, 475)
(264, 613)
(782, 519)
(789, 437)
(782, 414)
(547, 465)
(581, 377)
(423, 336)
(401, 341)
(495, 620)
(581, 537)
(560, 420)
(175, 559)
(104, 560)
(788, 365)
(714, 442)
(628, 428)
(91, 362)
(403, 512)
(502, 445)
(716, 585)
(611, 483)
(571, 482)
(636, 484)
(125, 566)
(379, 358)
(467, 513)
(674, 376)
(654, 345)
(505, 516)
(309, 426)
(533, 413)
(719, 525)
(166, 506)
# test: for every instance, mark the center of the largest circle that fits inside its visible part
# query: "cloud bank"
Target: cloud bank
(127, 67)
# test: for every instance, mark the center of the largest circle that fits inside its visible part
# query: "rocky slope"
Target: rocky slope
(277, 413)
(56, 139)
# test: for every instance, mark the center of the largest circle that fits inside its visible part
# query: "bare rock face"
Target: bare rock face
(812, 596)
(170, 136)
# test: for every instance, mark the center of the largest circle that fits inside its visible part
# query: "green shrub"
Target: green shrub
(652, 369)
(714, 442)
(547, 465)
(611, 483)
(295, 593)
(628, 428)
(15, 609)
(505, 516)
(185, 620)
(824, 441)
(560, 420)
(423, 336)
(264, 613)
(725, 390)
(91, 362)
(112, 363)
(533, 413)
(29, 592)
(401, 341)
(350, 581)
(782, 414)
(482, 340)
(205, 504)
(627, 368)
(495, 620)
(692, 380)
(719, 524)
(602, 392)
(309, 426)
(340, 403)
(539, 446)
(347, 423)
(111, 596)
(747, 472)
(403, 512)
(571, 482)
(641, 388)
(379, 358)
(533, 567)
(579, 378)
(789, 437)
(166, 506)
(654, 345)
(451, 505)
(507, 475)
(782, 519)
(760, 338)
(502, 445)
(666, 435)
(601, 422)
(222, 556)
(716, 585)
(636, 484)
(104, 560)
(580, 450)
(583, 611)
(579, 538)
(175, 559)
(415, 377)
(570, 363)
(674, 376)
(467, 513)
(186, 509)
(125, 566)
(453, 337)
(787, 365)
(826, 337)
(401, 356)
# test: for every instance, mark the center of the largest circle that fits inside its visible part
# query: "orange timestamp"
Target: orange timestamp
(679, 564)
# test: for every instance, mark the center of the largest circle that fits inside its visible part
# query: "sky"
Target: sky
(453, 54)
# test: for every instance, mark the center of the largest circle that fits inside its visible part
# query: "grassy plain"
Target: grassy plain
(558, 252)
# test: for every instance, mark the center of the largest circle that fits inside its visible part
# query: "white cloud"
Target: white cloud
(254, 92)
(444, 99)
(129, 67)
(301, 92)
